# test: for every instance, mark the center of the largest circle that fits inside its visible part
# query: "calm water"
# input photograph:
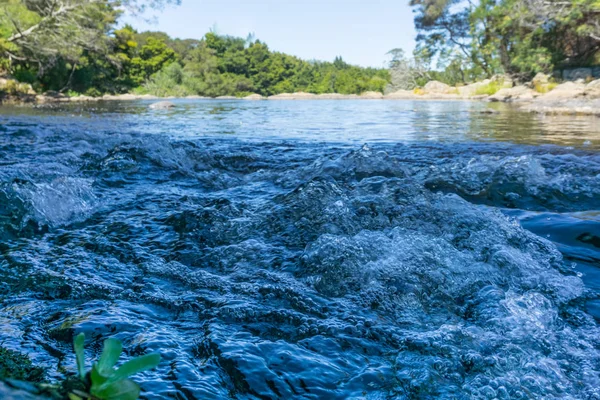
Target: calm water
(309, 249)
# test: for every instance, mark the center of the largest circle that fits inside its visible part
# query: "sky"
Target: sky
(361, 31)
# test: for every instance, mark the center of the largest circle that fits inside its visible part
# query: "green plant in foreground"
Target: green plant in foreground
(104, 382)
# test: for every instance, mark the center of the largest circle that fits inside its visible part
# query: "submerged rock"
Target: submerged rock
(10, 393)
(564, 107)
(162, 105)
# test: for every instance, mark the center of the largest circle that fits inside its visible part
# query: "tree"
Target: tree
(151, 58)
(43, 31)
(519, 37)
(407, 73)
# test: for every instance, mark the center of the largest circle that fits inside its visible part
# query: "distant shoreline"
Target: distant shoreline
(569, 98)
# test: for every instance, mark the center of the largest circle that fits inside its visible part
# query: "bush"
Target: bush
(544, 87)
(489, 89)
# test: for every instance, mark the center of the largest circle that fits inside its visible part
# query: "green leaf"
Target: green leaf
(79, 354)
(110, 355)
(96, 377)
(132, 367)
(120, 390)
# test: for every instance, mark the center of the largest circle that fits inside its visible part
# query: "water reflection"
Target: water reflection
(338, 121)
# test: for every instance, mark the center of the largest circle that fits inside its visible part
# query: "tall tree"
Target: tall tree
(43, 31)
(519, 37)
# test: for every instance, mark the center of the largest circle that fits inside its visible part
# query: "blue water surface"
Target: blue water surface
(307, 249)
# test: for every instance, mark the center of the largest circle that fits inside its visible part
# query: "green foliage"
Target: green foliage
(544, 87)
(152, 57)
(104, 382)
(517, 37)
(217, 65)
(489, 89)
(225, 65)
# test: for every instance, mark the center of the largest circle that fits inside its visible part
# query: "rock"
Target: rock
(540, 79)
(564, 107)
(504, 81)
(123, 97)
(400, 94)
(489, 111)
(577, 73)
(147, 97)
(437, 87)
(371, 96)
(11, 393)
(336, 96)
(52, 93)
(512, 94)
(442, 96)
(29, 89)
(226, 98)
(82, 99)
(592, 90)
(254, 97)
(162, 105)
(196, 97)
(293, 96)
(567, 90)
(126, 96)
(471, 89)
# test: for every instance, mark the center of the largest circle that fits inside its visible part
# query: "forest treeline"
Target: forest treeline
(462, 41)
(77, 46)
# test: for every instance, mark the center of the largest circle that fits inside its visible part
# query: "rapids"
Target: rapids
(310, 250)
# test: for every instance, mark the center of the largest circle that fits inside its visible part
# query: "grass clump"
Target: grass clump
(488, 89)
(544, 87)
(418, 91)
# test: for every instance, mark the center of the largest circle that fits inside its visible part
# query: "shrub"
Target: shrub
(93, 92)
(488, 90)
(544, 87)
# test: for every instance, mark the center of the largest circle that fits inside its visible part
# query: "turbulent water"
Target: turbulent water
(310, 250)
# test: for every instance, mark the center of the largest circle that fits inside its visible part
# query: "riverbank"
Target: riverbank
(538, 96)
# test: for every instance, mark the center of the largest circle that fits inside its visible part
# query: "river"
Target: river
(307, 249)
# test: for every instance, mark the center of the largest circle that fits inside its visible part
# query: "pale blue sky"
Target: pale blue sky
(360, 31)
